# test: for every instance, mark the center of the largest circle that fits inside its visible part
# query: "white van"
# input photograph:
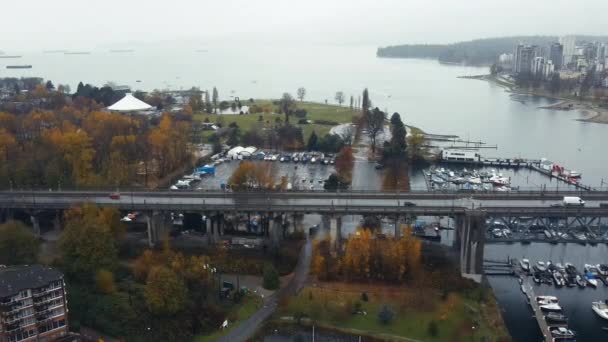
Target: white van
(573, 201)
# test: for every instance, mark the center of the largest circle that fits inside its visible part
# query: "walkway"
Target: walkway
(248, 328)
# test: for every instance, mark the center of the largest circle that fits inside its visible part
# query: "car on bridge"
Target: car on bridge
(115, 196)
(409, 204)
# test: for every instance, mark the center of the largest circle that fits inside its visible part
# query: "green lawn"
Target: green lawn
(316, 111)
(250, 305)
(454, 317)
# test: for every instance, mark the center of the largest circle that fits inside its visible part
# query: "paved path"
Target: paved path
(248, 328)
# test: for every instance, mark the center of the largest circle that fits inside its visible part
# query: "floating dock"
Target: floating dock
(538, 313)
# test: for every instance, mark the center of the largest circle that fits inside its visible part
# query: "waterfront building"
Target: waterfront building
(523, 57)
(506, 61)
(556, 55)
(538, 66)
(548, 70)
(569, 46)
(33, 304)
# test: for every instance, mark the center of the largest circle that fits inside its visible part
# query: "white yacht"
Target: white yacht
(601, 309)
(562, 332)
(550, 307)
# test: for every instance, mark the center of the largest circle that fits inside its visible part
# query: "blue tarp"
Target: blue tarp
(208, 170)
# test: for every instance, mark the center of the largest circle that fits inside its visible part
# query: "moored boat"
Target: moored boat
(555, 317)
(601, 309)
(525, 265)
(561, 332)
(550, 307)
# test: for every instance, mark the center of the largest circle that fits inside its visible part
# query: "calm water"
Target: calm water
(575, 302)
(427, 94)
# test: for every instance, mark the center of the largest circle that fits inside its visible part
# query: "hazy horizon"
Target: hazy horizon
(71, 24)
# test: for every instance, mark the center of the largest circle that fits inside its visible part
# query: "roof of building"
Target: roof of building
(129, 103)
(14, 279)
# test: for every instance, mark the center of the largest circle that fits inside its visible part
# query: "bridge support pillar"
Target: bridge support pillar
(397, 227)
(275, 229)
(471, 238)
(335, 230)
(158, 223)
(35, 225)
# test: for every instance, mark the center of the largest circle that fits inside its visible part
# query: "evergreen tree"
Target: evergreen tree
(313, 142)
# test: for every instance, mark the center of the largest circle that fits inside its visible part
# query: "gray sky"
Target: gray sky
(32, 25)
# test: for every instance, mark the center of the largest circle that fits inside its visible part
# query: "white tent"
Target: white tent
(130, 103)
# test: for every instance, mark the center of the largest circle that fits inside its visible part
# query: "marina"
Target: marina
(479, 178)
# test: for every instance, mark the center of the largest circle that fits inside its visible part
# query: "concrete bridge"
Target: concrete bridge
(469, 210)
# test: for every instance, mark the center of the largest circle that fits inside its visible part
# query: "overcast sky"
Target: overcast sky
(31, 25)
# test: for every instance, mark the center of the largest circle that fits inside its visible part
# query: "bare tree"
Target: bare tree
(375, 125)
(339, 97)
(301, 93)
(347, 134)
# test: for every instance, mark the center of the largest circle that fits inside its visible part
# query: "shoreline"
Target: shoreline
(591, 112)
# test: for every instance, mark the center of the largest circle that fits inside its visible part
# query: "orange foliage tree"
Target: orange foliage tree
(249, 176)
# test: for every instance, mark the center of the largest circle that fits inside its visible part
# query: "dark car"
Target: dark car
(409, 204)
(556, 205)
(115, 196)
(379, 166)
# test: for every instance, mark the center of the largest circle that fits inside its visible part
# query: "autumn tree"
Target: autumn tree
(87, 243)
(417, 150)
(18, 245)
(105, 281)
(357, 256)
(345, 163)
(339, 97)
(249, 176)
(301, 93)
(165, 292)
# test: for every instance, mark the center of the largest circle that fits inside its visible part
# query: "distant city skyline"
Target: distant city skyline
(70, 24)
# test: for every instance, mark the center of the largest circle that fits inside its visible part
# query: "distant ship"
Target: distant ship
(10, 56)
(77, 53)
(122, 50)
(18, 66)
(55, 51)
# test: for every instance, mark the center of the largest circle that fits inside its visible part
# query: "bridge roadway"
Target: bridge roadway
(426, 203)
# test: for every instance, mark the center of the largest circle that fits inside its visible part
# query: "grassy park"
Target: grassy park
(326, 113)
(418, 314)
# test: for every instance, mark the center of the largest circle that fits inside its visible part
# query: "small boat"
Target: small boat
(561, 332)
(591, 281)
(580, 281)
(541, 266)
(602, 269)
(550, 307)
(555, 317)
(559, 279)
(525, 265)
(601, 309)
(547, 299)
(523, 288)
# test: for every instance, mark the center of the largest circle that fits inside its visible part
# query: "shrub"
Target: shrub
(433, 329)
(105, 281)
(271, 278)
(385, 315)
(364, 297)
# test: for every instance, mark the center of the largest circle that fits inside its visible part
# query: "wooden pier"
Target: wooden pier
(538, 313)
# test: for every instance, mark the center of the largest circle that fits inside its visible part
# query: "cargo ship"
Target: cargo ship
(18, 66)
